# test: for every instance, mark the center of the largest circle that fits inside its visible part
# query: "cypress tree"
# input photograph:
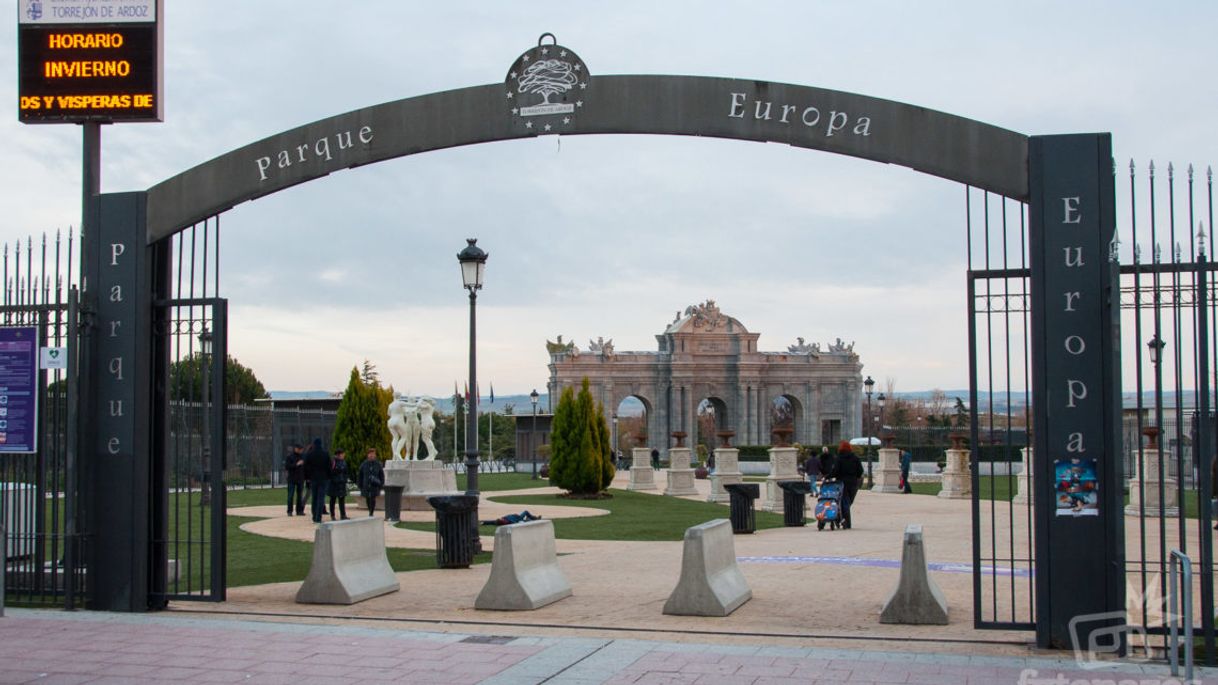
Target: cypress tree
(562, 452)
(606, 452)
(362, 419)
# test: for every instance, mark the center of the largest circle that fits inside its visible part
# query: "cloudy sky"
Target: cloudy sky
(610, 236)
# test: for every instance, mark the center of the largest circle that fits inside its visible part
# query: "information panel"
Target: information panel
(89, 61)
(18, 389)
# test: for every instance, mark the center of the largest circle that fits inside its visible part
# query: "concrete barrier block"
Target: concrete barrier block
(711, 583)
(524, 569)
(917, 599)
(349, 564)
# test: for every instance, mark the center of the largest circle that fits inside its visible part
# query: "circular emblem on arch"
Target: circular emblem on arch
(546, 86)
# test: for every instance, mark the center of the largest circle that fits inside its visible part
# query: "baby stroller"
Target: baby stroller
(829, 504)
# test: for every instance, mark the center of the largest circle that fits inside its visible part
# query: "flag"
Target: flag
(478, 394)
(455, 393)
(492, 395)
(467, 393)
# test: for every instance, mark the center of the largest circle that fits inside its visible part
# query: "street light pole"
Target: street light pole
(205, 359)
(473, 267)
(533, 396)
(869, 384)
(615, 443)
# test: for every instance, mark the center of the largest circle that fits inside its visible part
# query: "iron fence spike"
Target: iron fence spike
(1131, 166)
(1151, 166)
(1190, 171)
(1171, 170)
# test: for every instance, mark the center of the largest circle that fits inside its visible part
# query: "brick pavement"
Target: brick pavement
(66, 648)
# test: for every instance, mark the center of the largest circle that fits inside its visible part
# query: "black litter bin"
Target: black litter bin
(455, 529)
(794, 493)
(740, 498)
(393, 503)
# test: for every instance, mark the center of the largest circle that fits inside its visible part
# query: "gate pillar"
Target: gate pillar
(116, 406)
(1079, 517)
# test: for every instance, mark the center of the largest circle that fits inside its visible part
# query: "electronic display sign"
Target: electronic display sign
(94, 61)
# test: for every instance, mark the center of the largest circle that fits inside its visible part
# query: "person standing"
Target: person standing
(337, 488)
(827, 462)
(293, 465)
(812, 471)
(655, 459)
(370, 478)
(317, 472)
(906, 465)
(849, 470)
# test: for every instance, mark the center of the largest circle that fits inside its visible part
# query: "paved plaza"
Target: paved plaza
(813, 619)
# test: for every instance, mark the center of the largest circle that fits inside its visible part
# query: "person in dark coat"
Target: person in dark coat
(317, 472)
(655, 459)
(827, 462)
(293, 465)
(812, 471)
(337, 488)
(906, 465)
(371, 478)
(849, 470)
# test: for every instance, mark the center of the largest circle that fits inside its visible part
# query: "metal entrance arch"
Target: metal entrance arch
(1042, 171)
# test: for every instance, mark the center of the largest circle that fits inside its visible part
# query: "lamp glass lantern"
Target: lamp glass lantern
(473, 264)
(1156, 348)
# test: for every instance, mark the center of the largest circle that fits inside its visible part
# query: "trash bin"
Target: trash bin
(740, 498)
(794, 493)
(393, 503)
(456, 529)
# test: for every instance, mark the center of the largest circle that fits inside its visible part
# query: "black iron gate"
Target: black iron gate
(1000, 406)
(189, 538)
(1169, 356)
(43, 543)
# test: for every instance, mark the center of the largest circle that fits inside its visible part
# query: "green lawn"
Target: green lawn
(633, 516)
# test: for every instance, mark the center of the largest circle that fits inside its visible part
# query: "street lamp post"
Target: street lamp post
(1156, 346)
(205, 339)
(473, 268)
(615, 445)
(533, 397)
(880, 401)
(869, 384)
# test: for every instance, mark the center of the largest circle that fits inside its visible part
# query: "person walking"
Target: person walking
(849, 470)
(293, 465)
(812, 471)
(906, 465)
(827, 462)
(370, 478)
(317, 472)
(337, 488)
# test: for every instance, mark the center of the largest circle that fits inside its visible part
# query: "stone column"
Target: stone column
(888, 475)
(1023, 482)
(680, 475)
(1147, 484)
(957, 482)
(727, 471)
(642, 476)
(782, 468)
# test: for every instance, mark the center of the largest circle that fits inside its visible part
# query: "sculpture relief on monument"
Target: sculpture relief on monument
(707, 354)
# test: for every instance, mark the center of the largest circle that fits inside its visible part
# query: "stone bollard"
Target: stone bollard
(711, 583)
(642, 476)
(349, 564)
(917, 599)
(524, 569)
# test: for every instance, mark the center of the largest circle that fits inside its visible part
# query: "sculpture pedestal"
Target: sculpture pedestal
(957, 483)
(1148, 488)
(727, 472)
(642, 476)
(1023, 482)
(888, 475)
(680, 475)
(420, 480)
(782, 468)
